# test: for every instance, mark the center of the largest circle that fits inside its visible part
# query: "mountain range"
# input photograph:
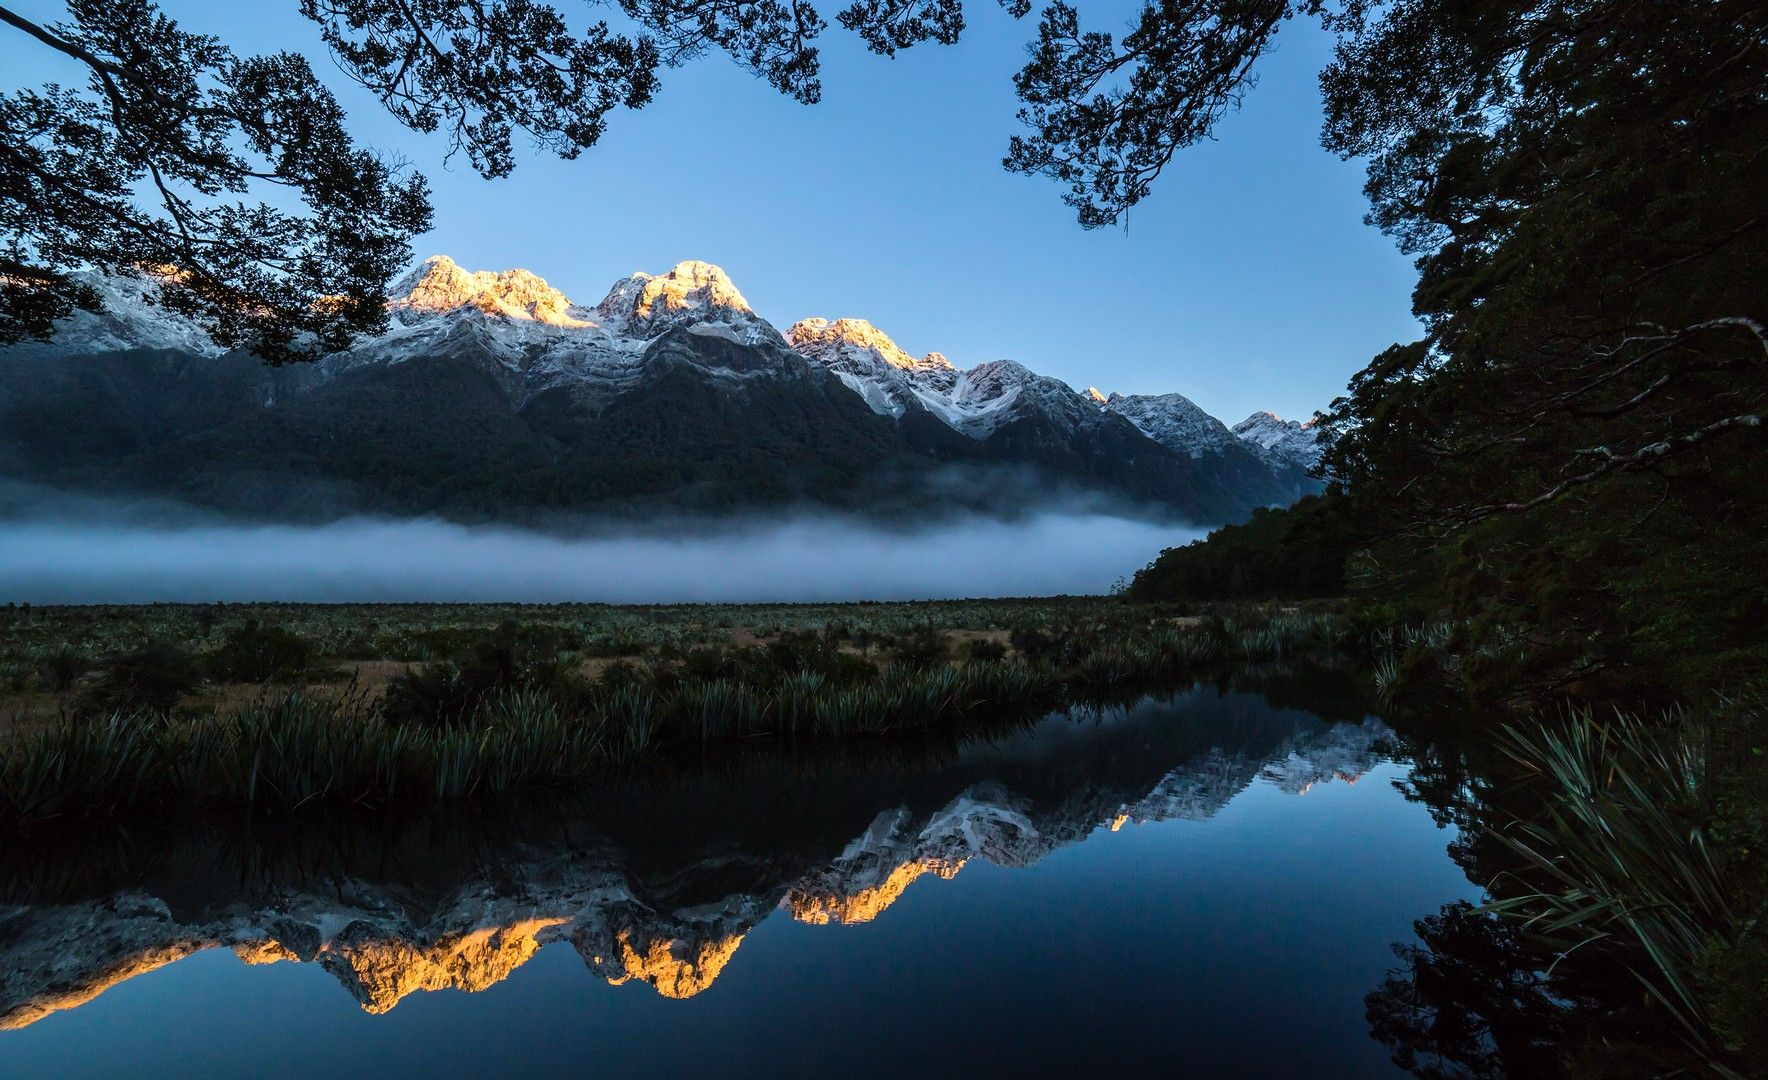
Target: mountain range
(492, 396)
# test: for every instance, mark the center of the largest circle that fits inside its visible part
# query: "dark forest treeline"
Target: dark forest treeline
(1568, 462)
(1566, 470)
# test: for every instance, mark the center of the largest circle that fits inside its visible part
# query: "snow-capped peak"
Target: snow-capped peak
(648, 302)
(1294, 441)
(817, 338)
(875, 367)
(1174, 421)
(892, 382)
(131, 317)
(440, 285)
(1096, 397)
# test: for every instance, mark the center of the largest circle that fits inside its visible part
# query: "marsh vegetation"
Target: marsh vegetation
(285, 707)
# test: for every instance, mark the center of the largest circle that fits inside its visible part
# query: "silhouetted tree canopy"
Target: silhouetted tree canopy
(185, 160)
(161, 163)
(1569, 457)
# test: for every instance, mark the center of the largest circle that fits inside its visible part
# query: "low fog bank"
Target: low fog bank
(78, 558)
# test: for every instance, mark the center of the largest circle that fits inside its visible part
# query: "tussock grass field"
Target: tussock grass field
(104, 710)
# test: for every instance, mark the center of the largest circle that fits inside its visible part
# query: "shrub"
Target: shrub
(923, 646)
(1031, 642)
(511, 657)
(431, 696)
(987, 650)
(151, 679)
(252, 652)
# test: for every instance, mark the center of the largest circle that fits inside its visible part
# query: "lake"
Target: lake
(1205, 884)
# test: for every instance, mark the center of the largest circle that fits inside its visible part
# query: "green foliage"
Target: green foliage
(985, 650)
(1567, 464)
(61, 667)
(1568, 460)
(509, 708)
(921, 647)
(512, 657)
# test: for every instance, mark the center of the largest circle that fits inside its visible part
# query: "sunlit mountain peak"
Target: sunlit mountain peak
(692, 286)
(1097, 397)
(821, 906)
(439, 284)
(674, 968)
(381, 970)
(819, 337)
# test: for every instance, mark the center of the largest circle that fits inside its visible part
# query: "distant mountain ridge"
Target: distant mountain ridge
(492, 396)
(1295, 442)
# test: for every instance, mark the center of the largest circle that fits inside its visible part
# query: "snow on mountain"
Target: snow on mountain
(531, 331)
(1173, 421)
(1295, 442)
(538, 338)
(874, 367)
(648, 304)
(1000, 390)
(974, 402)
(535, 338)
(440, 286)
(132, 319)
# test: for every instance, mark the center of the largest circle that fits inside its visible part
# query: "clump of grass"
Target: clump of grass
(60, 668)
(921, 647)
(512, 705)
(81, 765)
(987, 651)
(1386, 670)
(1619, 856)
(511, 657)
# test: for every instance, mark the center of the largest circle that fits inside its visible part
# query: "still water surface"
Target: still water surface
(1202, 885)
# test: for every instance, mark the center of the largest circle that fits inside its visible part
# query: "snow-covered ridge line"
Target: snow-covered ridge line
(541, 337)
(1173, 421)
(1296, 442)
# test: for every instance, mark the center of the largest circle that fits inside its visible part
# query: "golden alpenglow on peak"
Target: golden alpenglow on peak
(675, 969)
(643, 298)
(821, 909)
(386, 970)
(439, 285)
(816, 336)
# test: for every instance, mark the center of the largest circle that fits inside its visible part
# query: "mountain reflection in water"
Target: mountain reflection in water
(656, 879)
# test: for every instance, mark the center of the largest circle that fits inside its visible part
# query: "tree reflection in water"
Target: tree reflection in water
(1477, 996)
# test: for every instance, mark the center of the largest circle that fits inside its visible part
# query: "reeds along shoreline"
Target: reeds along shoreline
(1622, 854)
(293, 749)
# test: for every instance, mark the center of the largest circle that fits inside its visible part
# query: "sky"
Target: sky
(1246, 281)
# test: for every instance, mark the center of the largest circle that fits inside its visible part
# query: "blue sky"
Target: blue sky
(1247, 281)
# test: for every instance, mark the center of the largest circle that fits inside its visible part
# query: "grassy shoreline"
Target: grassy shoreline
(483, 709)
